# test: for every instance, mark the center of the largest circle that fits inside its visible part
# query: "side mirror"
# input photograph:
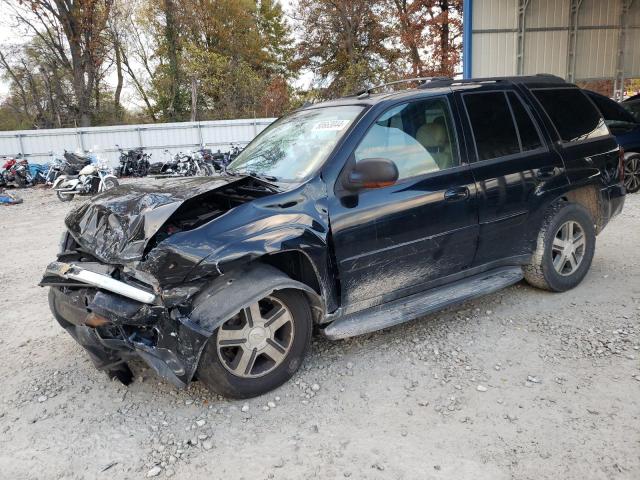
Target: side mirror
(371, 173)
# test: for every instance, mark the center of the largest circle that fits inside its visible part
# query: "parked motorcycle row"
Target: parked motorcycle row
(199, 163)
(73, 174)
(83, 174)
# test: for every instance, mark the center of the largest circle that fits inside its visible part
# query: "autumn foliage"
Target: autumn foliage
(89, 62)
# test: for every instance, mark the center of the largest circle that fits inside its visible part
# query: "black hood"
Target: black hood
(116, 225)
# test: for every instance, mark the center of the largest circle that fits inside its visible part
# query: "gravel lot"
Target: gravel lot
(522, 384)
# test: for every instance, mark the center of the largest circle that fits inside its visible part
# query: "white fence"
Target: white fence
(38, 145)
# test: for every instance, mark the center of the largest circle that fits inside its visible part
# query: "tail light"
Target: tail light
(621, 165)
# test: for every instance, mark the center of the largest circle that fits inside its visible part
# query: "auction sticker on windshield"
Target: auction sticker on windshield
(331, 125)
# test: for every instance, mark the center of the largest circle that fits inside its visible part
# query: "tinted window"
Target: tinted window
(573, 115)
(529, 136)
(417, 136)
(492, 124)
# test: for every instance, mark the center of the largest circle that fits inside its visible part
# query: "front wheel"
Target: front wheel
(632, 173)
(110, 183)
(260, 348)
(64, 197)
(565, 248)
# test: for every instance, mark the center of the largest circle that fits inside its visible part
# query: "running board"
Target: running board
(414, 306)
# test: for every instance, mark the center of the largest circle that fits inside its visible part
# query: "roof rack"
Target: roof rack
(423, 81)
(538, 78)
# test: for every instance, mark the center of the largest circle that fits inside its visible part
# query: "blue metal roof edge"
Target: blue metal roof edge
(467, 26)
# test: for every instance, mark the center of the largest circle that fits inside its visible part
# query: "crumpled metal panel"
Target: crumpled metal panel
(116, 225)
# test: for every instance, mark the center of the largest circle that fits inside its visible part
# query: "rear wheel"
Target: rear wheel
(565, 248)
(259, 348)
(632, 173)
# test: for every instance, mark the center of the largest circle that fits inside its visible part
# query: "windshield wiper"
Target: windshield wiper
(261, 176)
(267, 180)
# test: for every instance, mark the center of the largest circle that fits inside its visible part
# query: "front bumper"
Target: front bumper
(71, 271)
(114, 329)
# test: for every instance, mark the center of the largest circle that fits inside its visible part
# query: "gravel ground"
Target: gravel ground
(522, 384)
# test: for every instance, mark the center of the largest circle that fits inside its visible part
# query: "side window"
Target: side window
(573, 115)
(492, 124)
(529, 136)
(419, 137)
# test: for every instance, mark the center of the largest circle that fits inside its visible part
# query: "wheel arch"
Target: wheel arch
(588, 196)
(235, 290)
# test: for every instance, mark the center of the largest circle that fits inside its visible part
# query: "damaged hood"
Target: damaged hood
(116, 225)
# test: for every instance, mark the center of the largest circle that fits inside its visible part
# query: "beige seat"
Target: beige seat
(433, 136)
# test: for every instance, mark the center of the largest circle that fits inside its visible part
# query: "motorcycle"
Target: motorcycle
(15, 173)
(217, 160)
(199, 165)
(70, 164)
(92, 179)
(233, 153)
(133, 163)
(168, 167)
(56, 167)
(191, 165)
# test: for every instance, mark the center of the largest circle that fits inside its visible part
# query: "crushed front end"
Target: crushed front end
(122, 286)
(117, 317)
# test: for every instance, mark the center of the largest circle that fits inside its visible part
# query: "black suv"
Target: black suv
(350, 215)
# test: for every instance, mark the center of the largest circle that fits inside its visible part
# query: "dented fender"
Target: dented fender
(230, 293)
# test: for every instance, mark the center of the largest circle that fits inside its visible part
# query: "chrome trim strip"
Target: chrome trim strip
(70, 271)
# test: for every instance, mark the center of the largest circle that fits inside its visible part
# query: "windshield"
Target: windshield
(295, 146)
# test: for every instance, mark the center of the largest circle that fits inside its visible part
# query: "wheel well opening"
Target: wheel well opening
(589, 198)
(297, 266)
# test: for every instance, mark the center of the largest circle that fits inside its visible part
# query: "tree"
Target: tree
(346, 44)
(225, 55)
(430, 32)
(74, 34)
(40, 90)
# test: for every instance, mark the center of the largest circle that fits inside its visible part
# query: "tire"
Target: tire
(219, 358)
(20, 182)
(110, 183)
(208, 169)
(557, 268)
(632, 173)
(65, 197)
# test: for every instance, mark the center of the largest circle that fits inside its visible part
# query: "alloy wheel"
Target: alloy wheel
(256, 340)
(632, 174)
(568, 248)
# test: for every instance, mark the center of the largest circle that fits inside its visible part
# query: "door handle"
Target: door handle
(456, 194)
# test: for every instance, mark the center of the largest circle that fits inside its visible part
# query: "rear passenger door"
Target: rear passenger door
(513, 169)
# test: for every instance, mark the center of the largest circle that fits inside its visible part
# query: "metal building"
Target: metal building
(580, 40)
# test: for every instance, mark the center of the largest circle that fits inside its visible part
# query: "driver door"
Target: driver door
(397, 240)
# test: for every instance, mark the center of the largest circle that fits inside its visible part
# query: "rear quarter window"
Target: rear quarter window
(571, 112)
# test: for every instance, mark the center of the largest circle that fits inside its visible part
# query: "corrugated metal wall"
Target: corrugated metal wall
(37, 145)
(632, 42)
(494, 37)
(547, 44)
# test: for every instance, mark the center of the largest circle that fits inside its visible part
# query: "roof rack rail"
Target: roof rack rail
(423, 80)
(537, 78)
